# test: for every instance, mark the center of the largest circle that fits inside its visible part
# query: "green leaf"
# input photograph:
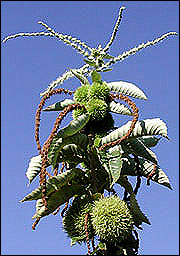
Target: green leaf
(54, 183)
(74, 126)
(79, 139)
(149, 141)
(123, 181)
(96, 77)
(138, 215)
(135, 146)
(60, 105)
(69, 153)
(103, 158)
(80, 76)
(102, 246)
(119, 108)
(127, 88)
(115, 163)
(91, 63)
(108, 56)
(129, 168)
(97, 141)
(56, 199)
(34, 168)
(76, 239)
(112, 162)
(160, 177)
(145, 127)
(107, 69)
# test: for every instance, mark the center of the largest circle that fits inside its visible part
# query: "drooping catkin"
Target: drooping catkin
(135, 118)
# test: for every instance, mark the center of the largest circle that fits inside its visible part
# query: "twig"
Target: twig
(44, 152)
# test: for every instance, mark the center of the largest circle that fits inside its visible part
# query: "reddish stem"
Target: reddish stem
(151, 174)
(86, 230)
(135, 118)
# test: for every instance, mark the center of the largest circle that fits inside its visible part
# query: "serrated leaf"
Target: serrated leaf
(112, 162)
(129, 168)
(127, 88)
(67, 132)
(69, 153)
(60, 105)
(149, 141)
(54, 183)
(160, 177)
(115, 163)
(119, 108)
(39, 204)
(103, 158)
(135, 146)
(145, 127)
(56, 199)
(74, 126)
(138, 215)
(34, 168)
(79, 139)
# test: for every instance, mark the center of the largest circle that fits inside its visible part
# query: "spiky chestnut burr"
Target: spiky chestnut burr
(112, 219)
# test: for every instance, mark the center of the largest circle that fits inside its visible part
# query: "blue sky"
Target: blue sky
(30, 64)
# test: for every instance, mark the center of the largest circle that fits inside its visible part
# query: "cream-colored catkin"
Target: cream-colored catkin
(115, 29)
(136, 49)
(65, 76)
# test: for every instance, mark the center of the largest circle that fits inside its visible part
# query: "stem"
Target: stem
(86, 230)
(135, 118)
(151, 174)
(44, 152)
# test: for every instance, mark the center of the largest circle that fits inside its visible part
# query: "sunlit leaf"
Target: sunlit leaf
(91, 63)
(145, 127)
(68, 153)
(60, 105)
(127, 88)
(54, 183)
(119, 108)
(74, 126)
(112, 162)
(115, 163)
(78, 139)
(149, 141)
(80, 76)
(135, 146)
(146, 167)
(34, 168)
(56, 199)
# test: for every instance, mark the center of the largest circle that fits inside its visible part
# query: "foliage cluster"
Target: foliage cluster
(94, 155)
